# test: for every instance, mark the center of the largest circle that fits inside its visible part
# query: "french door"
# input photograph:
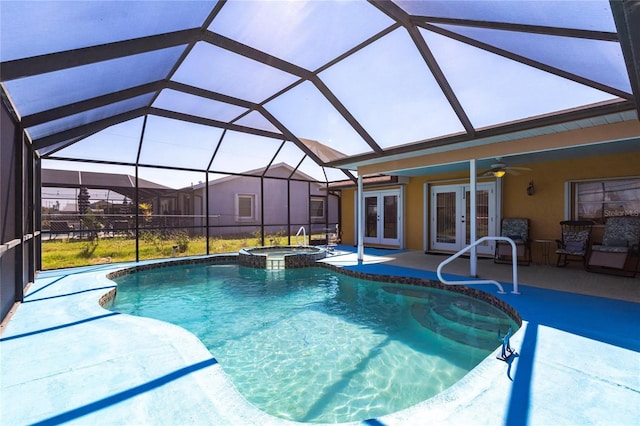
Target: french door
(383, 217)
(451, 217)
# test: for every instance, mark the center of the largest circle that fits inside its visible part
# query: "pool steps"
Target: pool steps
(275, 263)
(447, 329)
(452, 318)
(482, 329)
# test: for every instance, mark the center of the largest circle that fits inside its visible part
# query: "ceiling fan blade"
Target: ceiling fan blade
(500, 166)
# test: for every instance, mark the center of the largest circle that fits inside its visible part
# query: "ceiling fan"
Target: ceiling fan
(499, 169)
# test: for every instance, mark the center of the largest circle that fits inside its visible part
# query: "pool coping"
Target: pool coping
(167, 360)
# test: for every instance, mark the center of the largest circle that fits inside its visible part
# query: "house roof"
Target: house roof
(120, 183)
(226, 86)
(280, 170)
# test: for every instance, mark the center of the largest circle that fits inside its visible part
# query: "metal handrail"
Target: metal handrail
(458, 254)
(304, 236)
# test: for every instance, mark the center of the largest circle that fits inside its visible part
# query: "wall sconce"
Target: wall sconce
(530, 189)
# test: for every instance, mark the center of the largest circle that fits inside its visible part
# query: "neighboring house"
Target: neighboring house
(236, 204)
(240, 204)
(60, 188)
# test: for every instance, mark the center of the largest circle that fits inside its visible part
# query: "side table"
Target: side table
(545, 247)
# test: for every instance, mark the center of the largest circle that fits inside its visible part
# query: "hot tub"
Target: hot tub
(280, 257)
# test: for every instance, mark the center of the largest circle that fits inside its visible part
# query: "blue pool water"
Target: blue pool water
(314, 345)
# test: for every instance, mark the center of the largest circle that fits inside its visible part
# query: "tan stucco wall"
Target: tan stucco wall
(545, 208)
(346, 220)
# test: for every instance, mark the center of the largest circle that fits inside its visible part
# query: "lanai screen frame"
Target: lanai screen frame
(411, 17)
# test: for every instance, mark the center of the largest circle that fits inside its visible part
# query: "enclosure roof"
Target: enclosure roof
(226, 86)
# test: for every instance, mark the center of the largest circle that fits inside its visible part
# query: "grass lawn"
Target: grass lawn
(67, 253)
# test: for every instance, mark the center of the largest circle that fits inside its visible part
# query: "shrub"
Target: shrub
(154, 238)
(182, 241)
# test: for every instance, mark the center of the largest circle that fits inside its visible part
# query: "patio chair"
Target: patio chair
(60, 227)
(518, 230)
(618, 252)
(574, 242)
(120, 227)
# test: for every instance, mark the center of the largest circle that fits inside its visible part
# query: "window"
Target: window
(317, 208)
(598, 200)
(245, 207)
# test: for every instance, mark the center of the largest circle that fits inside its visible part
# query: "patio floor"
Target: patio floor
(65, 359)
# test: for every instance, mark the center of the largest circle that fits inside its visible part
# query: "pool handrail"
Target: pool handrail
(304, 236)
(464, 250)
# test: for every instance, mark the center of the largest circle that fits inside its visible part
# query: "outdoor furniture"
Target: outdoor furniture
(518, 230)
(334, 237)
(60, 227)
(120, 227)
(618, 252)
(574, 241)
(331, 236)
(545, 248)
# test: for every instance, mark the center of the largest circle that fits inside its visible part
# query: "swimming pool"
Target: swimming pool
(314, 345)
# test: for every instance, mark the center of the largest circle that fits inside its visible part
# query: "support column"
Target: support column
(360, 219)
(473, 208)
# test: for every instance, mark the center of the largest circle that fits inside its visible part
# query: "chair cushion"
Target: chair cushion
(622, 228)
(575, 242)
(573, 253)
(618, 242)
(610, 249)
(515, 228)
(575, 247)
(569, 235)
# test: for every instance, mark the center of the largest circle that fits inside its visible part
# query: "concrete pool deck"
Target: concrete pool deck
(64, 359)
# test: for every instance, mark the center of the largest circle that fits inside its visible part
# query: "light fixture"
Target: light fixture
(530, 189)
(499, 173)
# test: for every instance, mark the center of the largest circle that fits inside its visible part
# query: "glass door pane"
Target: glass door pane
(371, 217)
(446, 217)
(481, 217)
(390, 205)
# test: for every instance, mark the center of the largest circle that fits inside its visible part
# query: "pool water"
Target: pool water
(313, 345)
